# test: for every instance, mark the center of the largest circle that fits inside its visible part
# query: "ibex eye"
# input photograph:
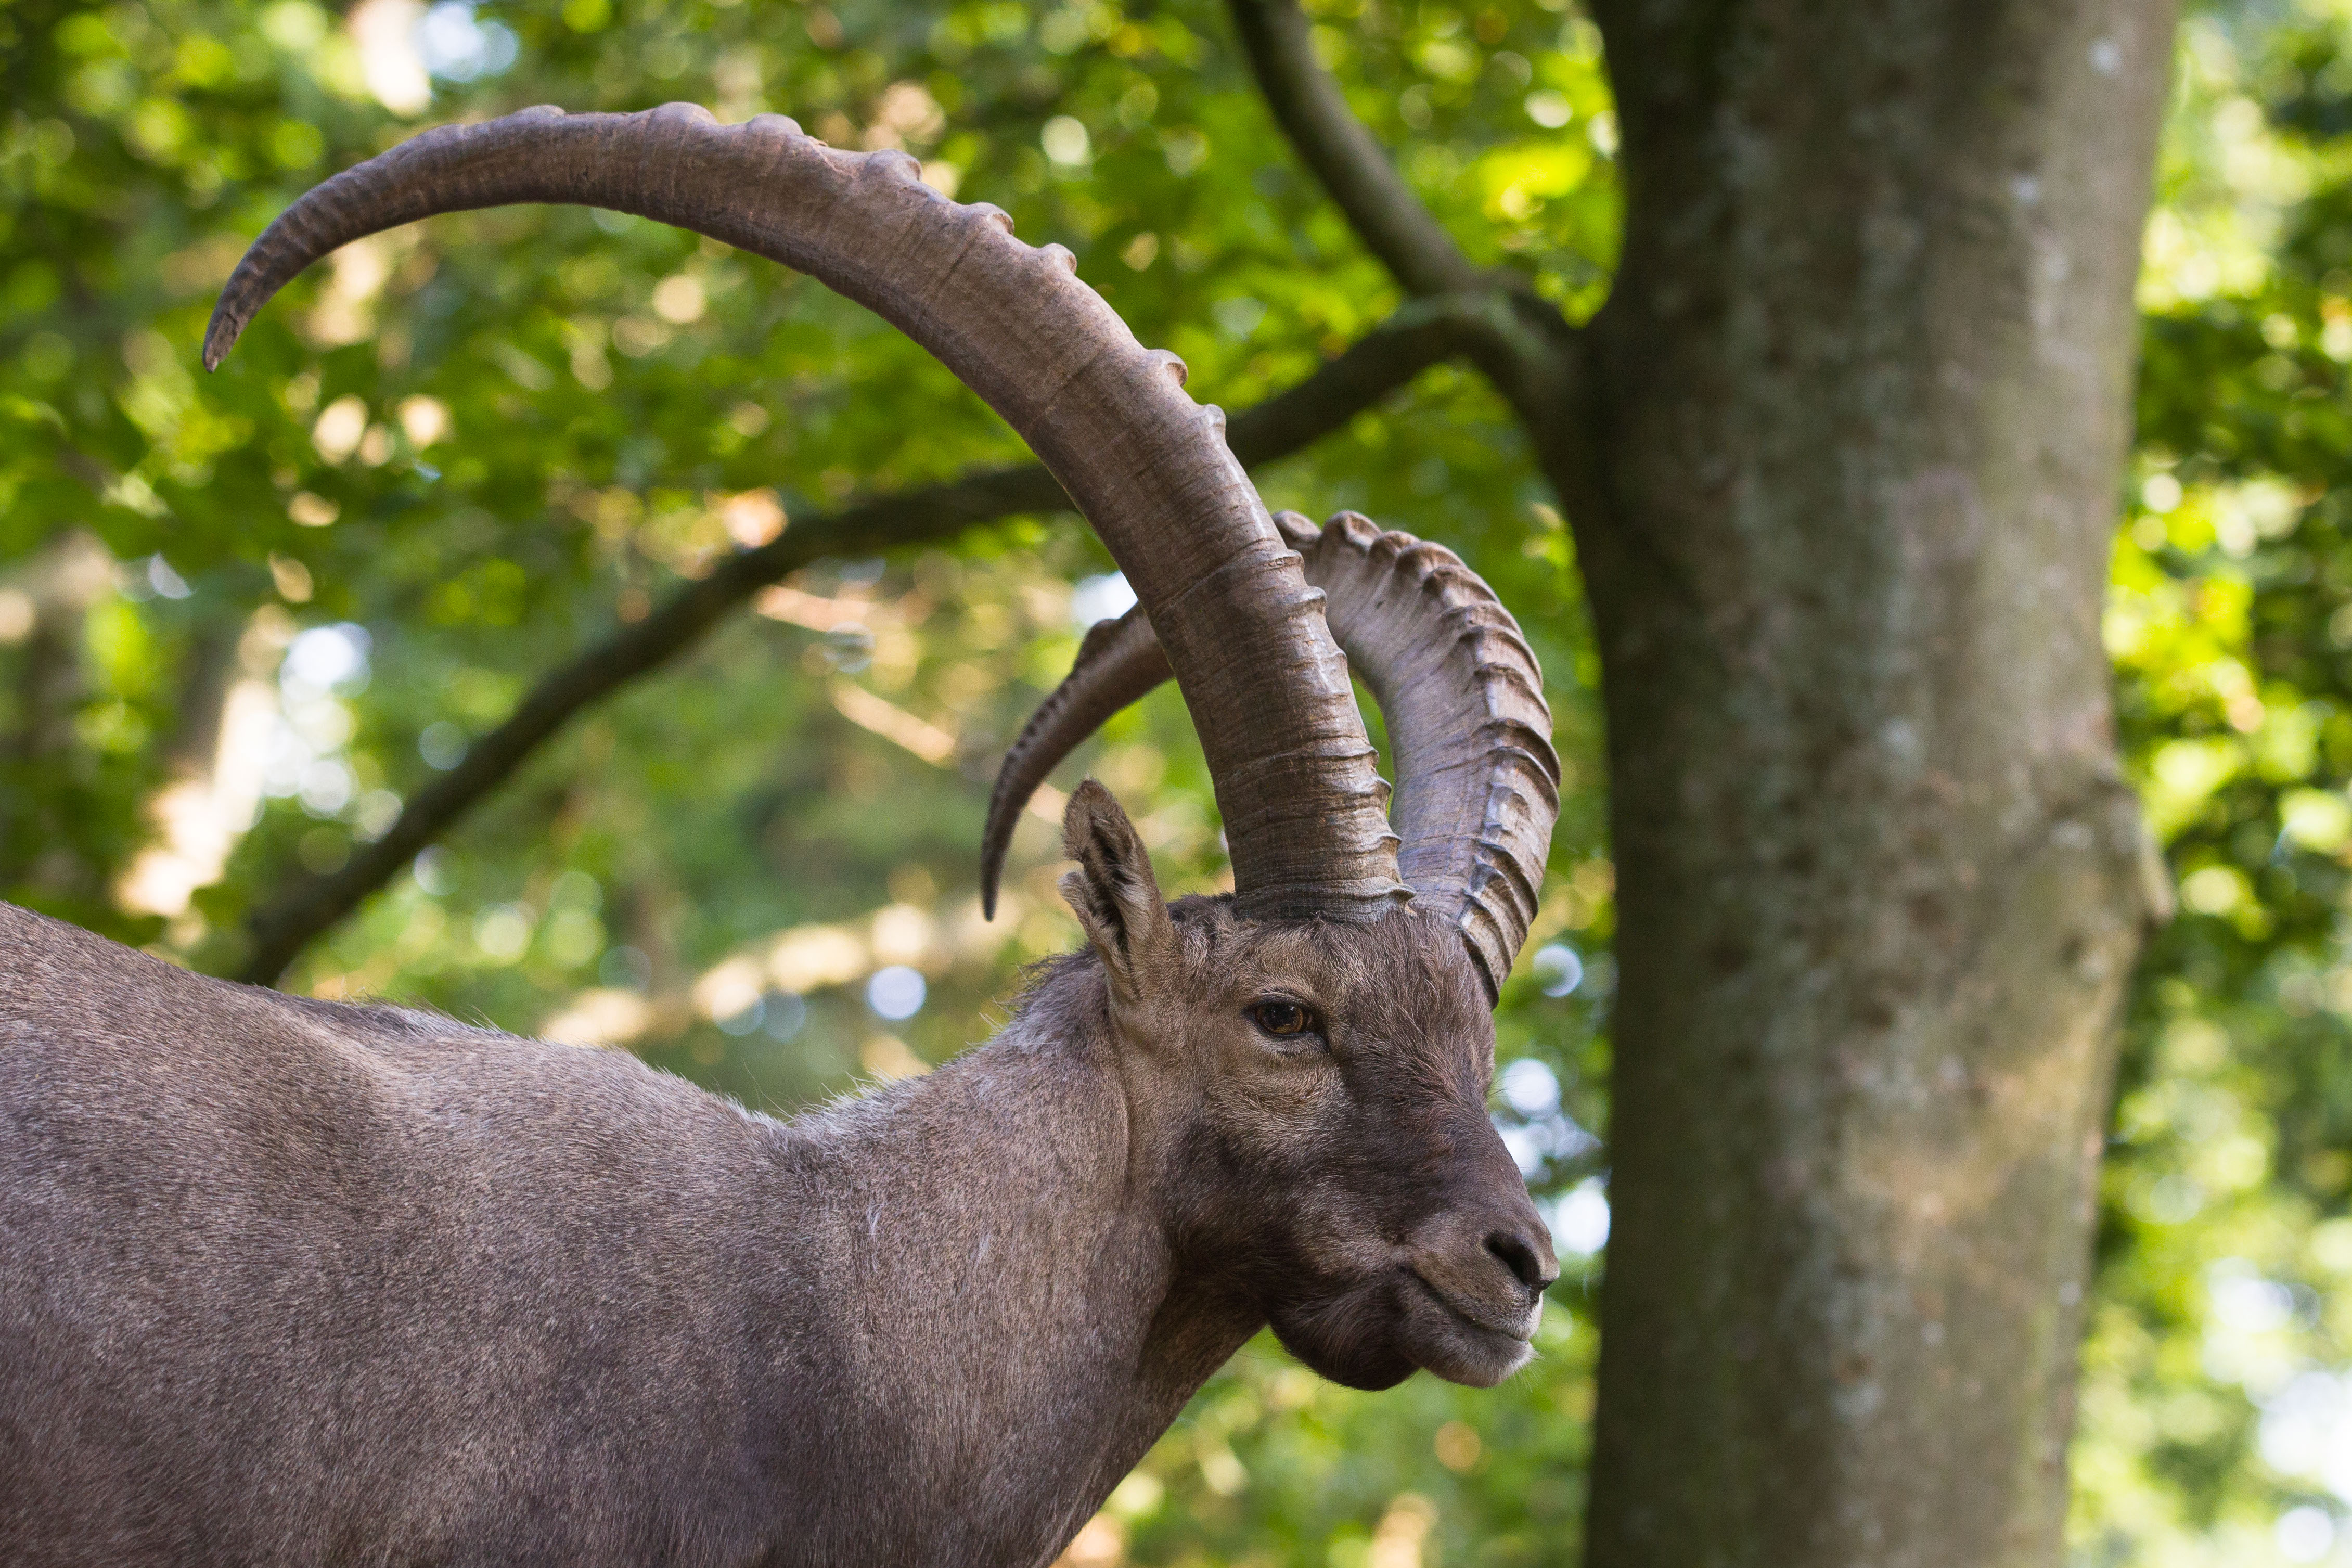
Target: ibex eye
(1282, 1019)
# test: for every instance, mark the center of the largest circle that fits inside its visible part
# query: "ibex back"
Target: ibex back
(284, 1281)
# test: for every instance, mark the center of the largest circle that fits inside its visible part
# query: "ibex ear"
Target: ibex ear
(1113, 890)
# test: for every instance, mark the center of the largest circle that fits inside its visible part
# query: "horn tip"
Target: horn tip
(220, 336)
(991, 867)
(995, 843)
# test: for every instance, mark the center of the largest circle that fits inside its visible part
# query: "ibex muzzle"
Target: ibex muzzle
(290, 1282)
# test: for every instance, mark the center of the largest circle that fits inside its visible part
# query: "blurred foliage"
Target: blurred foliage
(241, 617)
(2217, 1400)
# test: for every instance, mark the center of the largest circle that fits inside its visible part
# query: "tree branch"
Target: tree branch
(1420, 335)
(1354, 168)
(1478, 327)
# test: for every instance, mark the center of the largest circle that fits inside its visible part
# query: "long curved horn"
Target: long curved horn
(1478, 781)
(1295, 777)
(1124, 661)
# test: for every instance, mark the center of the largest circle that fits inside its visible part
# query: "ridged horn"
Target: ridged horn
(1295, 777)
(1477, 780)
(1125, 662)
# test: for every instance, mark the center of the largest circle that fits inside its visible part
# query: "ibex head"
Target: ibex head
(1311, 1096)
(1305, 1063)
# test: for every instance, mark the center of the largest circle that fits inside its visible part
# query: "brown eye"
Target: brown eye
(1282, 1019)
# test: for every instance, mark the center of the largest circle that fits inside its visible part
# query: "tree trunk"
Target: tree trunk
(1845, 474)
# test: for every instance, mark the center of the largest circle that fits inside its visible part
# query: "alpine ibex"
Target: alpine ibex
(286, 1282)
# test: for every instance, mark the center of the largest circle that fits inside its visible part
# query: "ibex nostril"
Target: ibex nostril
(1526, 1264)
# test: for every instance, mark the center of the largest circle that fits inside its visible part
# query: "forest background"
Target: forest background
(246, 620)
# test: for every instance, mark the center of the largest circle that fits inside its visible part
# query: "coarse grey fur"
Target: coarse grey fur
(284, 1283)
(287, 1282)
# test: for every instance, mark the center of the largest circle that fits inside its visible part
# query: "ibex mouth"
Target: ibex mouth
(1486, 1318)
(1473, 1341)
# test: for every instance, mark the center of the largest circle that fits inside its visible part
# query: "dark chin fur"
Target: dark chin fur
(1351, 1339)
(1377, 1335)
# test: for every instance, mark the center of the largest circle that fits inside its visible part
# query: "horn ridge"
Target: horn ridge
(1266, 685)
(1069, 714)
(1477, 779)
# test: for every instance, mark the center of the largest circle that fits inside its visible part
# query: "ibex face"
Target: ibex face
(1317, 1091)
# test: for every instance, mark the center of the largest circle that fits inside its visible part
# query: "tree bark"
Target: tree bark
(1844, 457)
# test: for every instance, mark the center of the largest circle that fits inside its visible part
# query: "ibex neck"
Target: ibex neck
(1007, 1330)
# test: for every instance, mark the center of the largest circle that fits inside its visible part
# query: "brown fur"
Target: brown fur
(289, 1282)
